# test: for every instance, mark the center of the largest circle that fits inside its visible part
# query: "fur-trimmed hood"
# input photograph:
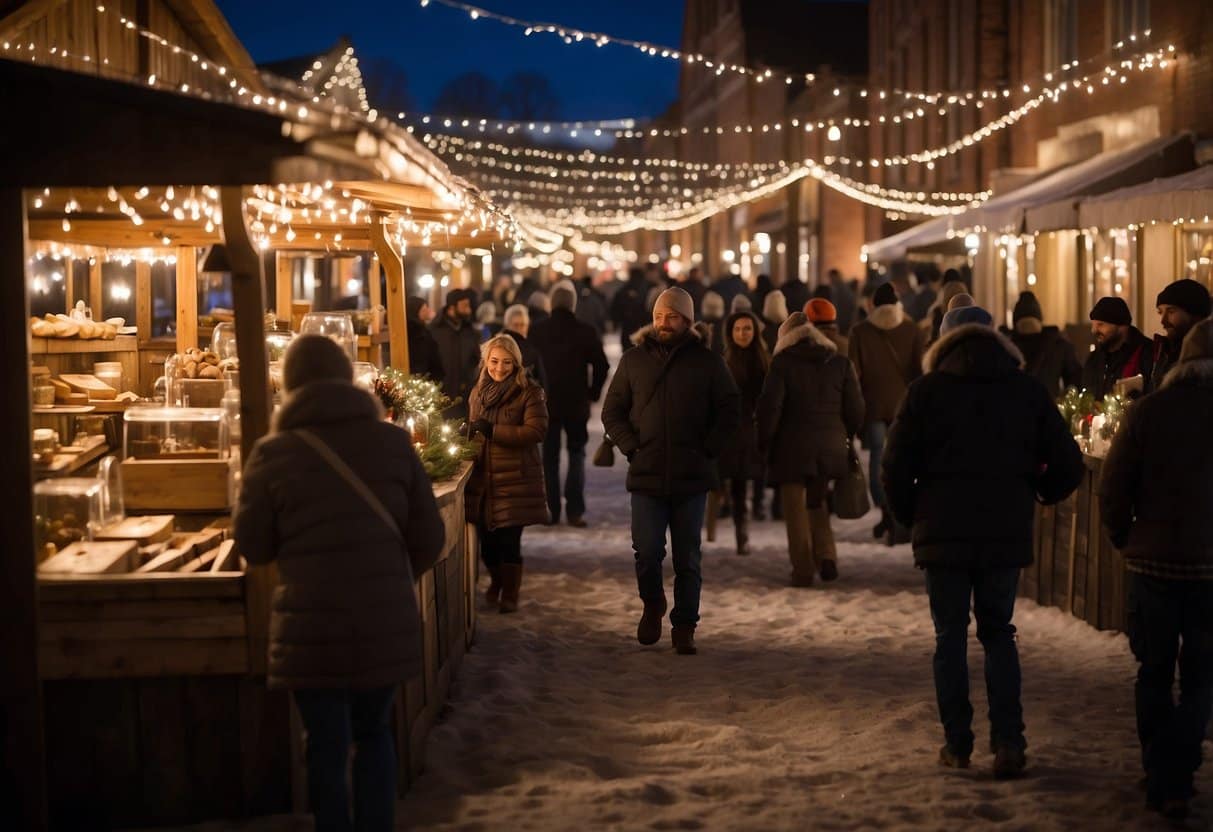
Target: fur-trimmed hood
(889, 316)
(645, 331)
(973, 350)
(804, 332)
(1198, 373)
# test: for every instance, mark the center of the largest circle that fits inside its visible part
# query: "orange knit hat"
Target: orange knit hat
(820, 311)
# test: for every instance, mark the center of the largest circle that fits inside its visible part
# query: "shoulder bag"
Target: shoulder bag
(850, 495)
(352, 479)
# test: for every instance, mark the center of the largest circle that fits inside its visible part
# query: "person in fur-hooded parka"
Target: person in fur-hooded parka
(810, 407)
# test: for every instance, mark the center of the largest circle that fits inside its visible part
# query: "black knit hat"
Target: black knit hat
(1188, 295)
(885, 295)
(1111, 310)
(1027, 307)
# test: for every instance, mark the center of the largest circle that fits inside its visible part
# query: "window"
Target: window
(1127, 18)
(1196, 248)
(1061, 33)
(1112, 262)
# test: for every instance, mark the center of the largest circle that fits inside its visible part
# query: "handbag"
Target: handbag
(604, 456)
(850, 495)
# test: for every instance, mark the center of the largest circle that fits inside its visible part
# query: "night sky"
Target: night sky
(437, 43)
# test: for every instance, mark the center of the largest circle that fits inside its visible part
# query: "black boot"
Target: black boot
(684, 640)
(881, 528)
(741, 527)
(648, 631)
(492, 595)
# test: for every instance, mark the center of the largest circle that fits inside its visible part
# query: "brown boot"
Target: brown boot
(511, 584)
(824, 550)
(741, 527)
(648, 631)
(492, 595)
(709, 516)
(684, 640)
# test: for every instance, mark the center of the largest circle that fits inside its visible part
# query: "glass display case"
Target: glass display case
(176, 433)
(336, 325)
(73, 509)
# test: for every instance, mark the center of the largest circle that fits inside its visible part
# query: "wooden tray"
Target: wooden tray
(92, 558)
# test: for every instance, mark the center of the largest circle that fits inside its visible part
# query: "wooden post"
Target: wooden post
(284, 289)
(95, 300)
(375, 291)
(397, 314)
(187, 298)
(143, 299)
(23, 781)
(69, 286)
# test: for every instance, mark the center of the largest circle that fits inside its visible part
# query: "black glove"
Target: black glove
(484, 427)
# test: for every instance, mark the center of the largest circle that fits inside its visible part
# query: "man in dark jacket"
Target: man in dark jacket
(796, 293)
(517, 324)
(670, 410)
(591, 306)
(713, 316)
(976, 443)
(628, 307)
(1121, 350)
(459, 347)
(569, 349)
(345, 629)
(1180, 306)
(729, 287)
(694, 286)
(1048, 356)
(424, 357)
(1155, 492)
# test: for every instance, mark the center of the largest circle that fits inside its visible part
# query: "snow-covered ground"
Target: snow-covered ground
(805, 708)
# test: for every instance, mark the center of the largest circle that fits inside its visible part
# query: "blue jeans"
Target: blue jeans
(683, 516)
(576, 435)
(1162, 614)
(874, 435)
(993, 600)
(332, 719)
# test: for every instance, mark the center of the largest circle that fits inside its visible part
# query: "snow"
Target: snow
(805, 708)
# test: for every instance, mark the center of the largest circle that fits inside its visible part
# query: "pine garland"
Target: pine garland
(446, 446)
(1077, 407)
(1113, 410)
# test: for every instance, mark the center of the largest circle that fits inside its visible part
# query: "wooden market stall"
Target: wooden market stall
(138, 697)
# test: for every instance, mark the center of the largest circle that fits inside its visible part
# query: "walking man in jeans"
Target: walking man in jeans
(1155, 493)
(577, 370)
(670, 410)
(976, 443)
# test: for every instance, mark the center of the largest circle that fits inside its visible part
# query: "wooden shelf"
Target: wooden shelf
(62, 465)
(64, 346)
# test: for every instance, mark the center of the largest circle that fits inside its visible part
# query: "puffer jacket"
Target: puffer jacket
(671, 425)
(886, 350)
(1157, 481)
(976, 444)
(506, 488)
(344, 612)
(809, 408)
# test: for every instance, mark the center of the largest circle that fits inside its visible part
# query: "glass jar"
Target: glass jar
(109, 372)
(336, 325)
(44, 395)
(365, 374)
(223, 341)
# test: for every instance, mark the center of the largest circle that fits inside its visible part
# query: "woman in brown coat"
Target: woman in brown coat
(506, 491)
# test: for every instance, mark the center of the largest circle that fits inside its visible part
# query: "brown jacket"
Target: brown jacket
(886, 350)
(507, 486)
(344, 611)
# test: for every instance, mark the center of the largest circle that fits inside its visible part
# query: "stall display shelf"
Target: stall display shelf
(63, 346)
(68, 462)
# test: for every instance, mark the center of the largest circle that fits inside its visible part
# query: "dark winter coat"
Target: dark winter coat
(1104, 369)
(1157, 482)
(506, 488)
(740, 458)
(1049, 358)
(976, 443)
(576, 365)
(532, 359)
(770, 334)
(809, 408)
(1165, 355)
(425, 359)
(716, 340)
(796, 294)
(459, 347)
(629, 310)
(344, 613)
(591, 308)
(886, 349)
(671, 422)
(728, 288)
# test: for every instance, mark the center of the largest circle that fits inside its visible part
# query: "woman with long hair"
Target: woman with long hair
(745, 353)
(506, 490)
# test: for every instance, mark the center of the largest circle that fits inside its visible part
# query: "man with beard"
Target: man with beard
(459, 349)
(1121, 350)
(1181, 305)
(671, 408)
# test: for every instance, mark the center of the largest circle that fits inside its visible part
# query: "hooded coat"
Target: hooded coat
(507, 486)
(1157, 481)
(976, 443)
(886, 349)
(344, 613)
(424, 357)
(671, 410)
(459, 348)
(1048, 356)
(740, 458)
(809, 408)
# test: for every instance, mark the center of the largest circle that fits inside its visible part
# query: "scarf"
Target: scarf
(492, 393)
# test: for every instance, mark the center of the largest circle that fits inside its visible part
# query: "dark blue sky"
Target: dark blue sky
(437, 43)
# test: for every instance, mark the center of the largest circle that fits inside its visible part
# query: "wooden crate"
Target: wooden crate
(177, 484)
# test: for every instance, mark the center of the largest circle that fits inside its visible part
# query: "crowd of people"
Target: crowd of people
(723, 392)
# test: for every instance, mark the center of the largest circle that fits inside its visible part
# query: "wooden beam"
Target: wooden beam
(187, 298)
(143, 299)
(374, 291)
(397, 316)
(25, 15)
(23, 781)
(284, 288)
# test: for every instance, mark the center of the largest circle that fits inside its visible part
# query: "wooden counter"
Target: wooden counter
(155, 711)
(1076, 567)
